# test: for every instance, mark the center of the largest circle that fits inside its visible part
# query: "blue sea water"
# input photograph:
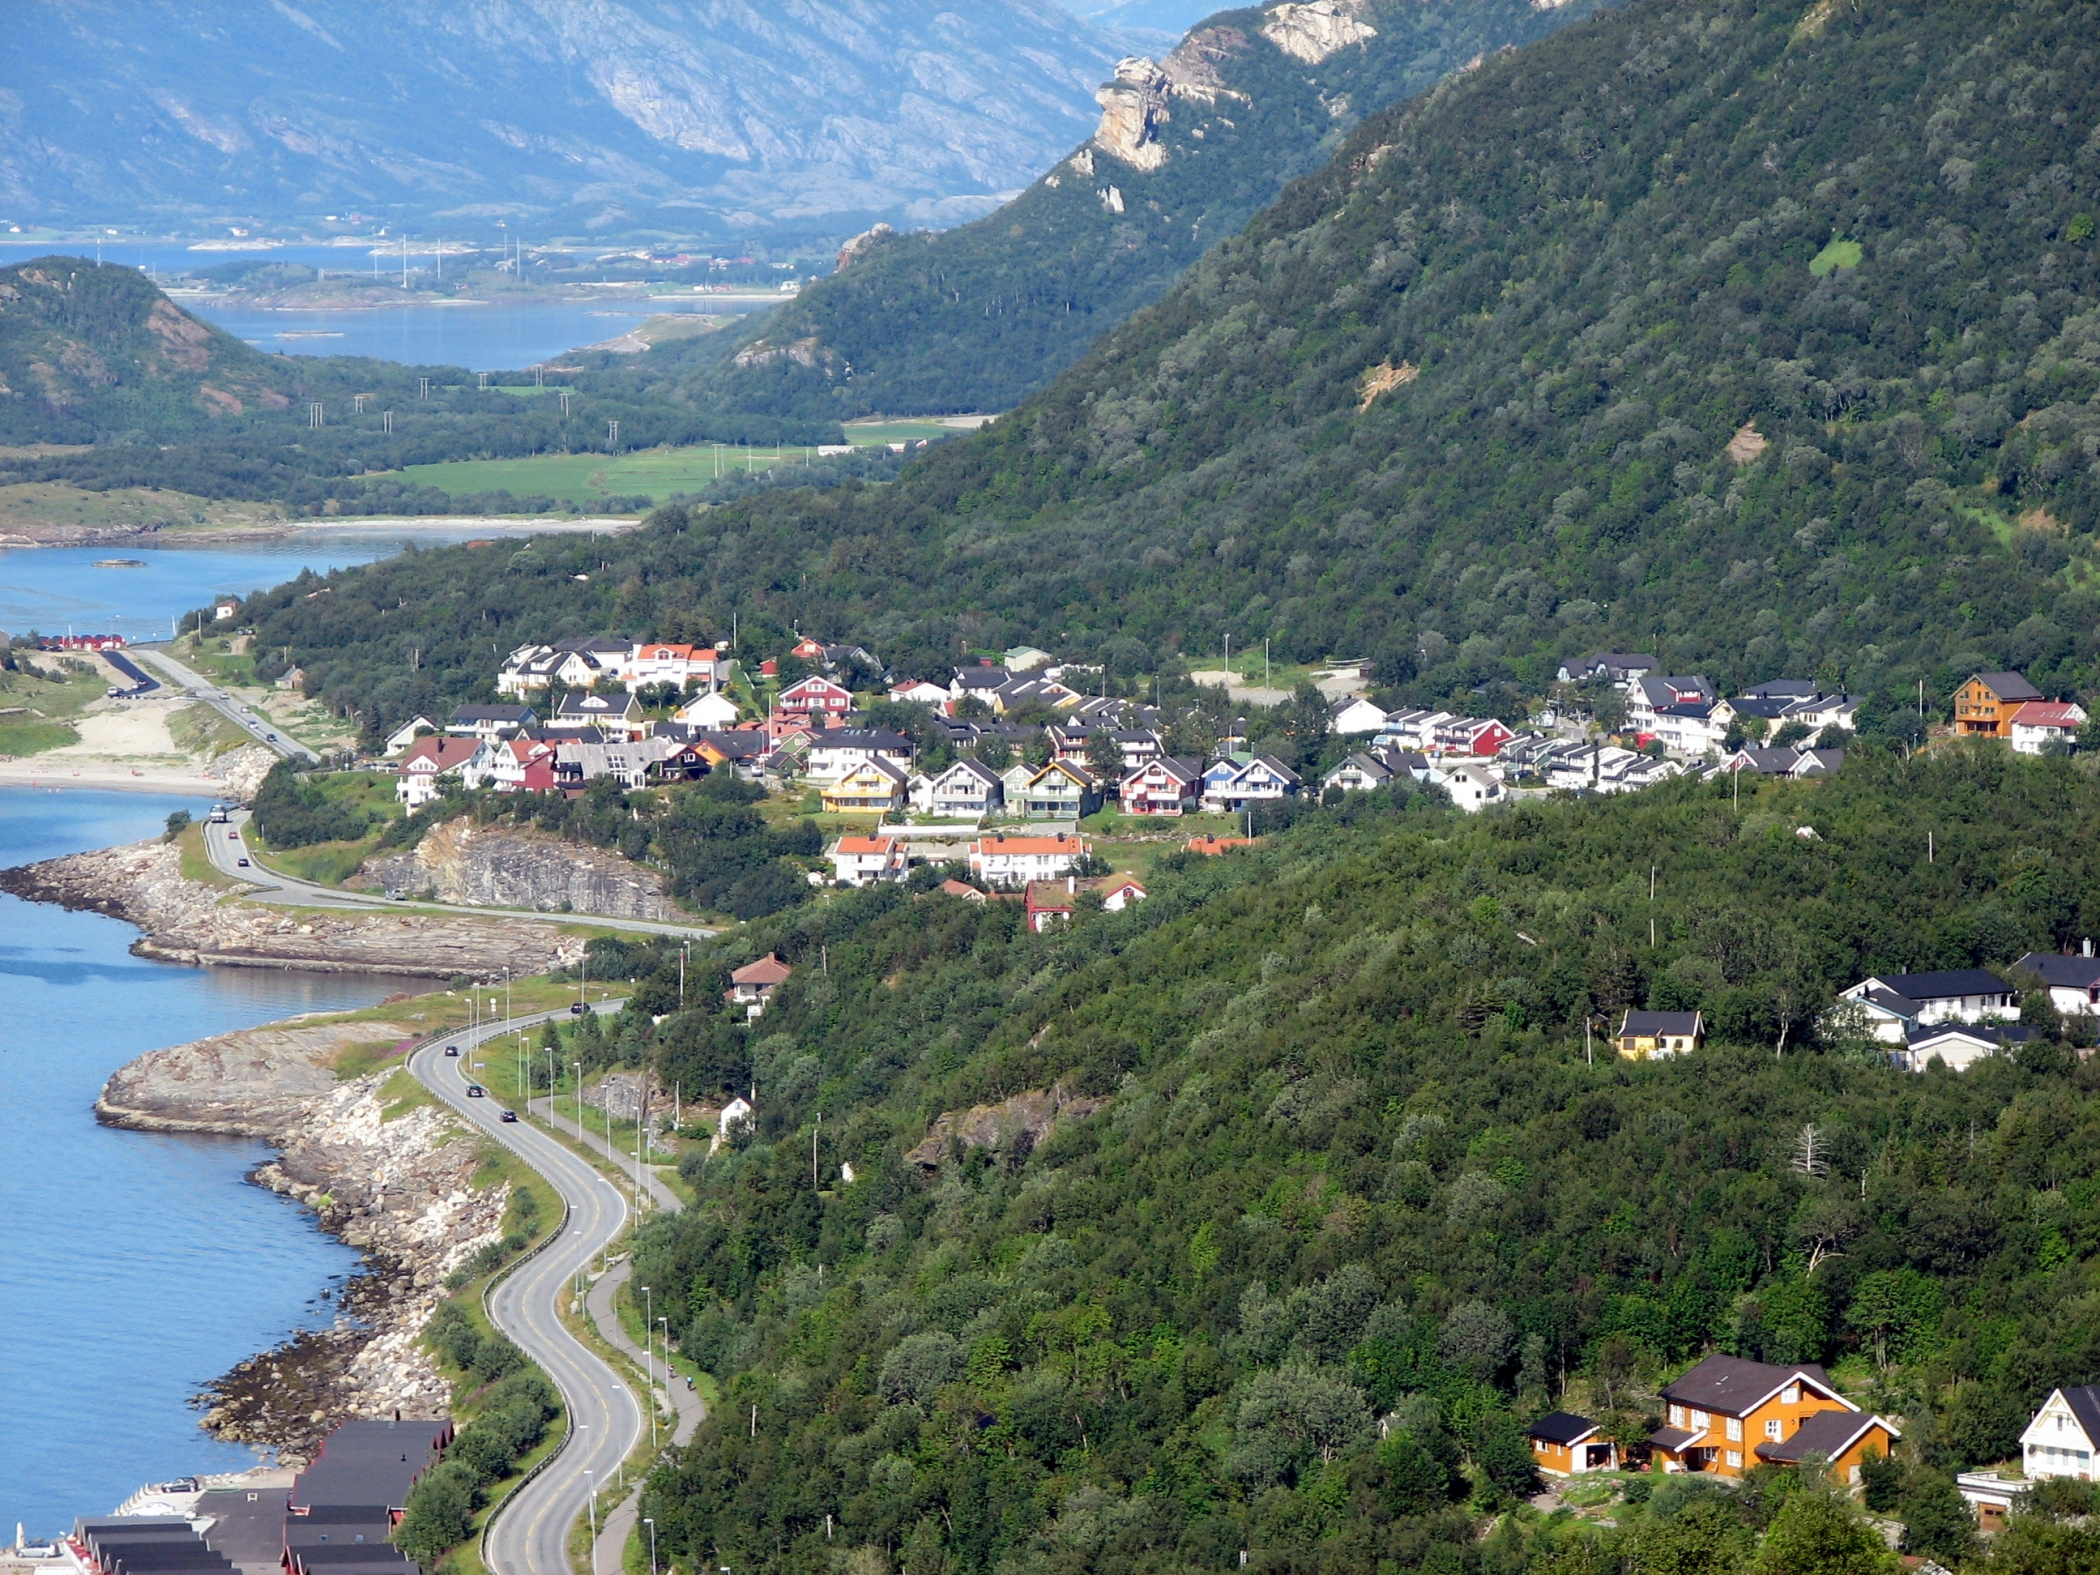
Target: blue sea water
(136, 1266)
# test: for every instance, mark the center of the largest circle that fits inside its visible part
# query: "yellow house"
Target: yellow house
(1567, 1445)
(874, 785)
(1984, 706)
(1643, 1035)
(1727, 1414)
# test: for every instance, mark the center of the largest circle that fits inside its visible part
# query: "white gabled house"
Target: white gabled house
(2064, 1435)
(1015, 861)
(1360, 773)
(404, 735)
(1472, 788)
(967, 790)
(712, 710)
(1895, 1003)
(864, 861)
(1355, 715)
(2073, 983)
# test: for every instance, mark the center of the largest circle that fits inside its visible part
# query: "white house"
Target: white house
(752, 985)
(1472, 788)
(2040, 723)
(737, 1113)
(920, 692)
(711, 710)
(837, 750)
(566, 664)
(1015, 861)
(1895, 1003)
(966, 790)
(1646, 696)
(1256, 779)
(404, 735)
(1122, 893)
(428, 762)
(2073, 983)
(490, 721)
(863, 861)
(1360, 773)
(2064, 1435)
(1355, 715)
(656, 662)
(1958, 1046)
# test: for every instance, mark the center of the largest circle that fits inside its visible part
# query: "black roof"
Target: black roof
(1770, 707)
(2084, 1402)
(1732, 1385)
(2075, 973)
(1649, 1024)
(369, 1465)
(1670, 1438)
(1562, 1427)
(1827, 1433)
(1944, 984)
(2009, 686)
(1981, 1033)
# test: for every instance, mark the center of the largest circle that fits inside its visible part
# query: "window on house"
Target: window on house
(1735, 1428)
(1790, 1395)
(1775, 1430)
(1677, 1416)
(1701, 1420)
(1735, 1458)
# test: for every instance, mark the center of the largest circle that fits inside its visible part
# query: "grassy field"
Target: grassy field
(35, 710)
(586, 481)
(203, 731)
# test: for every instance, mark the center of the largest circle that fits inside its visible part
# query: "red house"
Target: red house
(815, 696)
(1480, 736)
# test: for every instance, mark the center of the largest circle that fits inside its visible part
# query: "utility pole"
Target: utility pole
(565, 404)
(612, 437)
(422, 388)
(390, 423)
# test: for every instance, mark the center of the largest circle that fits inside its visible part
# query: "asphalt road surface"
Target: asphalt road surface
(226, 845)
(252, 722)
(530, 1533)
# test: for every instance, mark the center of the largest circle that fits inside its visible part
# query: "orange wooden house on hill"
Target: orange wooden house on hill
(1727, 1414)
(1984, 706)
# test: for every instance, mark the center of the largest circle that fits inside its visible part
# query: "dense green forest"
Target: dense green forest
(979, 317)
(1356, 1202)
(1867, 236)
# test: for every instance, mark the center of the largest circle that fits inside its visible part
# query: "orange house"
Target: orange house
(1984, 706)
(1727, 1413)
(1567, 1445)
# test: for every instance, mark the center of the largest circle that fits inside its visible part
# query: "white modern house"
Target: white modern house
(1896, 1003)
(2064, 1435)
(2073, 982)
(712, 710)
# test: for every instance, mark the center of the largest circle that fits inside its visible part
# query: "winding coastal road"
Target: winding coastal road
(529, 1535)
(226, 845)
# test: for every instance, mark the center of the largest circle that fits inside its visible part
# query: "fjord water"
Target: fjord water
(136, 1266)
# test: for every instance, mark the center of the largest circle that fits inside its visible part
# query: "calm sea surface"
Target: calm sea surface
(136, 1266)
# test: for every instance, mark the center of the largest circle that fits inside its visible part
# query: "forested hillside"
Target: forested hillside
(1353, 1204)
(978, 318)
(1475, 397)
(98, 355)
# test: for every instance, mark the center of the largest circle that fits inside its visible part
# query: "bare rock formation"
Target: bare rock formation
(862, 244)
(188, 921)
(1011, 1128)
(507, 867)
(1313, 31)
(1133, 108)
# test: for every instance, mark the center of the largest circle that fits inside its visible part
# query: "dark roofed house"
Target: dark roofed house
(1616, 667)
(2063, 1438)
(368, 1466)
(491, 721)
(1895, 1003)
(1726, 1408)
(1568, 1445)
(1984, 706)
(2073, 983)
(1839, 1439)
(1644, 1035)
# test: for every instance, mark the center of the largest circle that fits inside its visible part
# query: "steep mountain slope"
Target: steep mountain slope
(1187, 150)
(674, 116)
(1475, 397)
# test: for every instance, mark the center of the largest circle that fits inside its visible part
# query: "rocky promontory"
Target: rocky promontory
(393, 1178)
(512, 867)
(189, 921)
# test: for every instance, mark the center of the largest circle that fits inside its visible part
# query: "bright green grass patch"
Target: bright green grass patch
(401, 1093)
(869, 434)
(200, 730)
(1997, 524)
(1840, 253)
(31, 736)
(586, 481)
(324, 863)
(355, 1061)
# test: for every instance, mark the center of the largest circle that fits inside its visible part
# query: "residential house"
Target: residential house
(1411, 729)
(752, 985)
(1355, 715)
(1895, 1003)
(1027, 659)
(428, 763)
(1033, 691)
(614, 716)
(980, 682)
(1819, 711)
(1984, 706)
(815, 696)
(968, 789)
(1074, 742)
(919, 692)
(1211, 846)
(1646, 696)
(512, 765)
(876, 785)
(1164, 785)
(1694, 727)
(1015, 861)
(962, 889)
(712, 710)
(1472, 788)
(1566, 1445)
(737, 1113)
(491, 721)
(1817, 762)
(1050, 903)
(1481, 737)
(738, 753)
(1643, 1036)
(1610, 667)
(2073, 983)
(632, 763)
(1360, 773)
(407, 733)
(1727, 1408)
(864, 861)
(662, 663)
(1249, 780)
(1789, 762)
(835, 751)
(566, 664)
(1957, 1046)
(2063, 1437)
(2033, 727)
(1122, 892)
(291, 678)
(1992, 1496)
(1013, 784)
(1061, 791)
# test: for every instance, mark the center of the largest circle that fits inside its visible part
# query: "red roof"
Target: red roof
(2049, 713)
(865, 845)
(440, 753)
(769, 969)
(1214, 845)
(1057, 844)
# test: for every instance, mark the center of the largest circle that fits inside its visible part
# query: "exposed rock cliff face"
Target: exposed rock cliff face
(399, 1189)
(510, 868)
(186, 921)
(1012, 1127)
(1133, 108)
(1314, 31)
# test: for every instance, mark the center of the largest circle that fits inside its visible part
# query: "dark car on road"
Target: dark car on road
(452, 1049)
(508, 1115)
(243, 863)
(475, 1091)
(577, 1010)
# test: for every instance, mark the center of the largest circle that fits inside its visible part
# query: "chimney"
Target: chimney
(2089, 946)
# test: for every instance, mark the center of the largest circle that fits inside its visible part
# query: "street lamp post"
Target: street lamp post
(648, 1369)
(594, 1520)
(652, 1543)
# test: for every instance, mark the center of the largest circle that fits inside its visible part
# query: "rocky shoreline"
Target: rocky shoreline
(397, 1184)
(190, 922)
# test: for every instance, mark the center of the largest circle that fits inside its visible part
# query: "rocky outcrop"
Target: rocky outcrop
(1194, 68)
(1313, 31)
(188, 921)
(1133, 108)
(809, 353)
(862, 244)
(398, 1187)
(507, 867)
(1011, 1128)
(242, 769)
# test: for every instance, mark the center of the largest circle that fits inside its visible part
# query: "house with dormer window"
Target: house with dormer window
(2064, 1436)
(1727, 1414)
(1239, 782)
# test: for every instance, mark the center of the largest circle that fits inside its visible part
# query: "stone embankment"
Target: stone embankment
(399, 1187)
(509, 867)
(189, 921)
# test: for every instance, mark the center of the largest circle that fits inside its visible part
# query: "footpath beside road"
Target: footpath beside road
(529, 1533)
